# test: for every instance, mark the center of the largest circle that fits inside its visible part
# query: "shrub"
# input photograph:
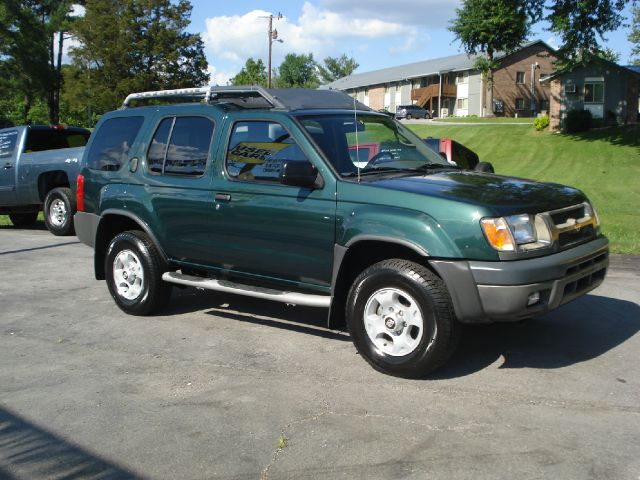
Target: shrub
(577, 121)
(540, 123)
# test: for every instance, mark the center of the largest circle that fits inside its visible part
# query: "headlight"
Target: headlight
(594, 214)
(521, 228)
(516, 232)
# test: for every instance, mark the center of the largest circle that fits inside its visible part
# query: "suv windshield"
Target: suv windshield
(371, 143)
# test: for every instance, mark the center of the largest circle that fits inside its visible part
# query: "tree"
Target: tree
(135, 45)
(608, 54)
(297, 71)
(489, 26)
(335, 68)
(634, 35)
(30, 31)
(253, 73)
(580, 24)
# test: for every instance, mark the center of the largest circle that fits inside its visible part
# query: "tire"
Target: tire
(21, 220)
(486, 167)
(59, 207)
(133, 271)
(392, 345)
(408, 117)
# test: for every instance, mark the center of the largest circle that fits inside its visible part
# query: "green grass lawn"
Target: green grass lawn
(605, 164)
(488, 121)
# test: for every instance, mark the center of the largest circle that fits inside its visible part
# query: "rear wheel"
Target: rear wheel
(408, 117)
(133, 270)
(23, 219)
(59, 207)
(401, 319)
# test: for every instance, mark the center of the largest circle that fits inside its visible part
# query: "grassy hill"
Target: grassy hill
(605, 164)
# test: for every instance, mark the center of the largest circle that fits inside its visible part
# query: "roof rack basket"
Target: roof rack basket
(210, 94)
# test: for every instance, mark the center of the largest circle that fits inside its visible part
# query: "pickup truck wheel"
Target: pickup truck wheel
(401, 319)
(59, 207)
(23, 219)
(133, 270)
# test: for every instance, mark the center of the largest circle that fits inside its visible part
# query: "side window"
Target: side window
(186, 152)
(158, 147)
(110, 148)
(258, 149)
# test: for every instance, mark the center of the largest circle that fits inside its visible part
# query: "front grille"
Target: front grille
(576, 236)
(572, 225)
(561, 217)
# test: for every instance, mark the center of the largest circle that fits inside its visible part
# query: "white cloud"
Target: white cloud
(430, 13)
(219, 77)
(233, 39)
(69, 42)
(77, 10)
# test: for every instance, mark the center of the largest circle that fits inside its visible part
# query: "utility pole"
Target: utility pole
(273, 35)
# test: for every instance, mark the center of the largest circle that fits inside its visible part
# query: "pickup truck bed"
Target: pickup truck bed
(39, 167)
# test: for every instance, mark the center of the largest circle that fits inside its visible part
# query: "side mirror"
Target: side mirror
(300, 174)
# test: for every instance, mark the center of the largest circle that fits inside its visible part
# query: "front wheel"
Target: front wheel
(59, 207)
(133, 270)
(401, 319)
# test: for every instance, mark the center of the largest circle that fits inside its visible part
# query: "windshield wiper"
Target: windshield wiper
(433, 166)
(374, 170)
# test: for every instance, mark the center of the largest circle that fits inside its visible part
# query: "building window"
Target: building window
(544, 105)
(519, 77)
(462, 77)
(463, 103)
(594, 92)
(519, 103)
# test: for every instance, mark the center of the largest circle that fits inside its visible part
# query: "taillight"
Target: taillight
(80, 193)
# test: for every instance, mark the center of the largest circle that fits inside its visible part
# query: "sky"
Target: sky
(377, 33)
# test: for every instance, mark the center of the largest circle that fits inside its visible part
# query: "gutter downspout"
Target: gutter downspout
(439, 95)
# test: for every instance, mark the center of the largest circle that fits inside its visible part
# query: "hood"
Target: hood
(503, 195)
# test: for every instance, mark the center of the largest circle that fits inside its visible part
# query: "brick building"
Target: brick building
(450, 86)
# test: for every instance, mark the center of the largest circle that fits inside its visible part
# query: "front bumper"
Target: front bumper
(499, 291)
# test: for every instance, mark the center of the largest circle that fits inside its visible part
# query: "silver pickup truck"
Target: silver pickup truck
(38, 167)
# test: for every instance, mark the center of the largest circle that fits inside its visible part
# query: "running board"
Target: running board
(295, 298)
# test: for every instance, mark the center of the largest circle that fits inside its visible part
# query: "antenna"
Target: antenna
(355, 125)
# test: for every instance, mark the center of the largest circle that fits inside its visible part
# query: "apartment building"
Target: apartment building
(450, 86)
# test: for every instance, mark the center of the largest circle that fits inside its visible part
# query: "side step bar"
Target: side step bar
(295, 298)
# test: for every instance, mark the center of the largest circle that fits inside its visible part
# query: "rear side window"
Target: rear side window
(111, 145)
(40, 140)
(180, 146)
(8, 143)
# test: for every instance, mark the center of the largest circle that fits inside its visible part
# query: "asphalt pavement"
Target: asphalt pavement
(222, 386)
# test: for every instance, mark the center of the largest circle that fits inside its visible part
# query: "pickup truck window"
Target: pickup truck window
(39, 140)
(258, 149)
(8, 143)
(180, 146)
(110, 148)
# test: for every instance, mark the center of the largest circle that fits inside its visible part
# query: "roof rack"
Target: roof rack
(247, 94)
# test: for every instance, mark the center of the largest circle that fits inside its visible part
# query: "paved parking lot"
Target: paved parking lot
(212, 388)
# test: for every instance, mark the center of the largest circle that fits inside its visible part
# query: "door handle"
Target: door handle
(8, 165)
(222, 197)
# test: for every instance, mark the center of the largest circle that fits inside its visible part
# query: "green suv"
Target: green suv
(310, 198)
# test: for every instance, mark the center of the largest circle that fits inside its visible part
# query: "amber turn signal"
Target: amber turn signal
(498, 234)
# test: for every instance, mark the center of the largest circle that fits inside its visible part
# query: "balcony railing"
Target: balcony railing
(424, 94)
